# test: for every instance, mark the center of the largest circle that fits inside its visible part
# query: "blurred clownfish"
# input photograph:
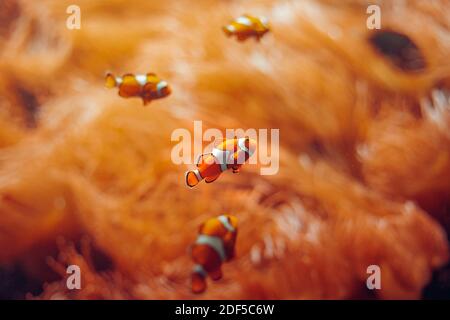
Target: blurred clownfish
(231, 153)
(247, 26)
(215, 244)
(149, 87)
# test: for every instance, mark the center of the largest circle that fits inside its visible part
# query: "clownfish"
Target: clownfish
(215, 244)
(247, 26)
(231, 153)
(147, 86)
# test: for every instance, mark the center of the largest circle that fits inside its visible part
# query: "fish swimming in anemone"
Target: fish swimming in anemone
(247, 26)
(146, 86)
(364, 172)
(230, 154)
(215, 245)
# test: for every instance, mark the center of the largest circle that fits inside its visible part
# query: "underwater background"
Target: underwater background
(86, 176)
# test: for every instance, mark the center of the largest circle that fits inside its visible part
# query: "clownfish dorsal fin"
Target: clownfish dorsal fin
(212, 178)
(129, 87)
(219, 141)
(200, 228)
(152, 78)
(200, 158)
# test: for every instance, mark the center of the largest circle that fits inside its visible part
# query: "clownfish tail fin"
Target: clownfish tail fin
(193, 177)
(227, 31)
(110, 80)
(198, 279)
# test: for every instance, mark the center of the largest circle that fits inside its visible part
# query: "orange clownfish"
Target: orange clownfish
(231, 153)
(147, 86)
(247, 26)
(215, 244)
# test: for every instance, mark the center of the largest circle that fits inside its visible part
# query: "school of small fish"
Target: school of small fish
(216, 239)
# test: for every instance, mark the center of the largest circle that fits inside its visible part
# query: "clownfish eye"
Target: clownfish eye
(399, 49)
(30, 105)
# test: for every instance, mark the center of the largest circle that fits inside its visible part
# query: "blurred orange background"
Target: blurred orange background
(86, 176)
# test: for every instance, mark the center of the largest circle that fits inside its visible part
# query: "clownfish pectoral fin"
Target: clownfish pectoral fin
(151, 76)
(200, 159)
(212, 178)
(241, 38)
(216, 274)
(236, 169)
(110, 81)
(193, 177)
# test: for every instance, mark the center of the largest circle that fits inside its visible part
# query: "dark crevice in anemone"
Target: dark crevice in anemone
(399, 49)
(30, 104)
(439, 286)
(15, 284)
